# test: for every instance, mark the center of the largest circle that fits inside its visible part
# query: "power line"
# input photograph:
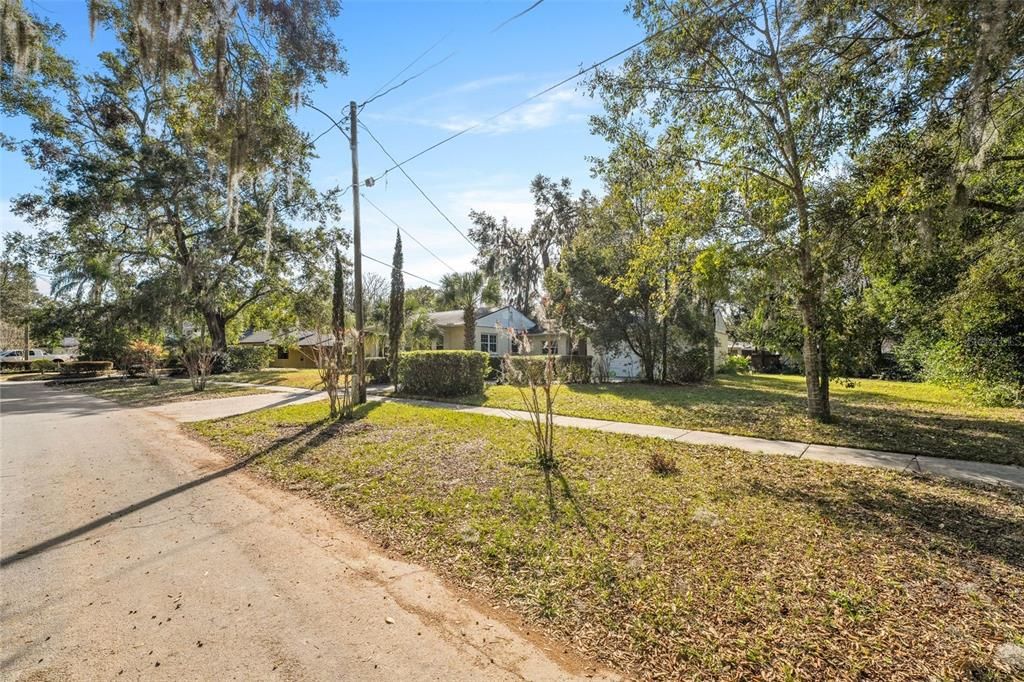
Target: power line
(428, 281)
(516, 16)
(525, 101)
(407, 233)
(410, 65)
(410, 78)
(414, 184)
(377, 94)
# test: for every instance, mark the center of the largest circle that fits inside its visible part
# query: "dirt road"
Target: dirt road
(132, 552)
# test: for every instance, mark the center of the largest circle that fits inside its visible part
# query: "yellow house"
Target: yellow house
(297, 350)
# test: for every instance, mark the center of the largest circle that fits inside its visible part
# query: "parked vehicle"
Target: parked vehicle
(34, 354)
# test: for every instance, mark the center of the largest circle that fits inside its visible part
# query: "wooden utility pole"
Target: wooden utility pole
(358, 359)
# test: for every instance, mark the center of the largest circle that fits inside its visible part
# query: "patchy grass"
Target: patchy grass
(295, 378)
(727, 565)
(882, 415)
(140, 393)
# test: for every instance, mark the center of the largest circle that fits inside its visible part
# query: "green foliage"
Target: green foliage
(248, 358)
(396, 309)
(464, 290)
(689, 366)
(378, 370)
(442, 373)
(86, 367)
(735, 364)
(569, 369)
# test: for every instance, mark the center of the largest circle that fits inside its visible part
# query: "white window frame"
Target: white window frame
(489, 343)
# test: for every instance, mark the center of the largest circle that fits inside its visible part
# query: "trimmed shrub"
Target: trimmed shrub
(377, 370)
(246, 358)
(569, 369)
(735, 364)
(16, 365)
(495, 367)
(86, 367)
(442, 373)
(688, 366)
(44, 365)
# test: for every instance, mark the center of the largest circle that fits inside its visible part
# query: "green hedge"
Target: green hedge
(689, 366)
(442, 373)
(377, 370)
(86, 367)
(44, 365)
(569, 369)
(16, 365)
(247, 358)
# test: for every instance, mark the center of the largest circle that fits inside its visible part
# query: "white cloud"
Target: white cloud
(551, 109)
(512, 203)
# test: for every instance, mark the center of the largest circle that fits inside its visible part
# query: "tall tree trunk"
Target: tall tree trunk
(216, 325)
(469, 327)
(815, 353)
(712, 339)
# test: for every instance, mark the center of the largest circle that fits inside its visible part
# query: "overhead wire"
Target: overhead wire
(417, 276)
(407, 233)
(416, 185)
(410, 64)
(377, 94)
(478, 124)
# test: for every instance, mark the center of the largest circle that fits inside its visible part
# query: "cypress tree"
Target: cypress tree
(338, 300)
(396, 314)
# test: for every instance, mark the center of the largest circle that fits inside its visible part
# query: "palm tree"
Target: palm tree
(464, 290)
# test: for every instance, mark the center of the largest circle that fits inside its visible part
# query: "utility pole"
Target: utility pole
(358, 354)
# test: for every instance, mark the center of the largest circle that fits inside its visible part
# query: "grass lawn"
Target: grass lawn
(295, 378)
(734, 567)
(882, 415)
(140, 393)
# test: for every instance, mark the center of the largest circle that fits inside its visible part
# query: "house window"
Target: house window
(551, 347)
(489, 343)
(282, 353)
(514, 347)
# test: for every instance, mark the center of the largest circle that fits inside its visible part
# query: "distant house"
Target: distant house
(490, 336)
(297, 349)
(492, 333)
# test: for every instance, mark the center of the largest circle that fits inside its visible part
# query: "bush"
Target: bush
(735, 364)
(569, 369)
(377, 370)
(245, 359)
(44, 365)
(689, 366)
(442, 373)
(86, 367)
(16, 365)
(495, 367)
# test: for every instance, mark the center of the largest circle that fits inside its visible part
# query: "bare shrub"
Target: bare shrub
(538, 387)
(198, 356)
(335, 370)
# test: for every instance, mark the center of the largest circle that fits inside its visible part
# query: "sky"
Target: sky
(487, 71)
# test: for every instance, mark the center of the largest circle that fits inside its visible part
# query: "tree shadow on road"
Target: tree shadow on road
(66, 536)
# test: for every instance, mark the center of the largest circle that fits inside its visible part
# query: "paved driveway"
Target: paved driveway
(130, 551)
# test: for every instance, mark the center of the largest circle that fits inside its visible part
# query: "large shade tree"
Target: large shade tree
(179, 154)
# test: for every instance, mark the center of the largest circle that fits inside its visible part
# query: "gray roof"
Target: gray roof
(258, 336)
(298, 337)
(453, 318)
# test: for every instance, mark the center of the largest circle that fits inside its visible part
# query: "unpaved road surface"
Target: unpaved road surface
(130, 551)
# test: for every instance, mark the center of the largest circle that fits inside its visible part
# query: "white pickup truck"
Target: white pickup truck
(34, 354)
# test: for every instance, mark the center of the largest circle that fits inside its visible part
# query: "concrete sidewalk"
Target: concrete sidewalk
(964, 470)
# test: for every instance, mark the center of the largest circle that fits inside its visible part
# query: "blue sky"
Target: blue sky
(488, 169)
